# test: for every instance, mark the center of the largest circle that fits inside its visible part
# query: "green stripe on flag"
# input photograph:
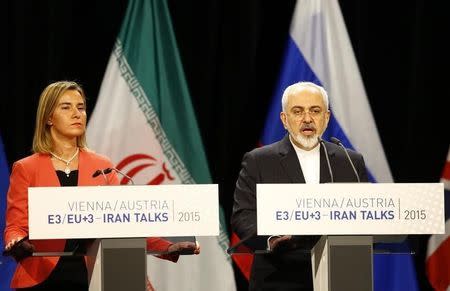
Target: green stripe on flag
(152, 119)
(149, 46)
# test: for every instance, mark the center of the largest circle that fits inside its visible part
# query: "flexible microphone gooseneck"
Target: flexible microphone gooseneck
(328, 159)
(109, 170)
(101, 172)
(339, 143)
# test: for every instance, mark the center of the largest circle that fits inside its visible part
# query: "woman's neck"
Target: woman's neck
(65, 150)
(63, 146)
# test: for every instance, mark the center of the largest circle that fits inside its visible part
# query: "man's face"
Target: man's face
(306, 117)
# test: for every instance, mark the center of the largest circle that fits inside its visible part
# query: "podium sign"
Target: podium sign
(349, 208)
(123, 211)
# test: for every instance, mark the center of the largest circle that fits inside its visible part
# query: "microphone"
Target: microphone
(109, 170)
(96, 173)
(328, 159)
(101, 172)
(339, 143)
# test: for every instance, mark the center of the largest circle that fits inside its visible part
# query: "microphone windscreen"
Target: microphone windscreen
(107, 170)
(96, 173)
(335, 140)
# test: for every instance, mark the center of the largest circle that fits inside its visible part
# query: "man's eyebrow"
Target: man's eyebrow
(303, 107)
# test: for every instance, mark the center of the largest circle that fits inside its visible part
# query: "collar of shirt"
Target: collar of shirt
(309, 162)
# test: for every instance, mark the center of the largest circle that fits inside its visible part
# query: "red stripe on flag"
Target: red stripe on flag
(243, 261)
(446, 172)
(438, 267)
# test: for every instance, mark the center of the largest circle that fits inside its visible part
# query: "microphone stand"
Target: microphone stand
(339, 143)
(328, 159)
(109, 170)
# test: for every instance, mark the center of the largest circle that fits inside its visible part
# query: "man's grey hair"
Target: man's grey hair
(300, 86)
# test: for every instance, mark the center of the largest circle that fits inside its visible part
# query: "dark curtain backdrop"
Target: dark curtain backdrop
(231, 52)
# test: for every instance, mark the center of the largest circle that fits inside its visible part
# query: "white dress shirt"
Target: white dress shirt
(310, 163)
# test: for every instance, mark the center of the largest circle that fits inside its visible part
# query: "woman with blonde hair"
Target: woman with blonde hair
(60, 158)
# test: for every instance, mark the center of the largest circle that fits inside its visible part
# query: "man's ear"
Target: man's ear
(283, 118)
(327, 117)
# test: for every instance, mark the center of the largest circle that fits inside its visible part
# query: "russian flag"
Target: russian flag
(438, 253)
(7, 265)
(319, 50)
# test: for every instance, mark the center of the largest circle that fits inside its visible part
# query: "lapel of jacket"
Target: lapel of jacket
(86, 167)
(45, 173)
(324, 171)
(289, 161)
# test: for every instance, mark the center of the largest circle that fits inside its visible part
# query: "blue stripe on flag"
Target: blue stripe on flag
(391, 273)
(294, 69)
(7, 265)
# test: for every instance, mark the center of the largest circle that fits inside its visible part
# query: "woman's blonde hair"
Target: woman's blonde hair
(42, 140)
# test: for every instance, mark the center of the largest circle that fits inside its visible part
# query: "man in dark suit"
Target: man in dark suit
(298, 158)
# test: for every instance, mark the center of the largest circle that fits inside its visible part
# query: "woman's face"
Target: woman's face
(68, 121)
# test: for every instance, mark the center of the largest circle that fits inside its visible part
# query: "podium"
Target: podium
(112, 264)
(346, 262)
(117, 264)
(115, 219)
(339, 263)
(332, 253)
(350, 219)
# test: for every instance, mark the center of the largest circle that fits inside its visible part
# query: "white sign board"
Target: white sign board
(123, 211)
(350, 208)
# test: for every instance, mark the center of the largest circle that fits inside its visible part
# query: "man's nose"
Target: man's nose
(307, 118)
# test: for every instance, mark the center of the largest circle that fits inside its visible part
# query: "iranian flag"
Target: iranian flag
(144, 121)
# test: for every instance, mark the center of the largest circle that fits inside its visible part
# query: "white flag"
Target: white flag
(144, 121)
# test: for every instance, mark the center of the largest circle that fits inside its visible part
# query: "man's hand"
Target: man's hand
(279, 243)
(185, 247)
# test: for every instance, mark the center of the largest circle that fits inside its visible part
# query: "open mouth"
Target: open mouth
(308, 130)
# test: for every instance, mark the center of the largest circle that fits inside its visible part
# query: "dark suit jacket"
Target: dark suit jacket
(278, 163)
